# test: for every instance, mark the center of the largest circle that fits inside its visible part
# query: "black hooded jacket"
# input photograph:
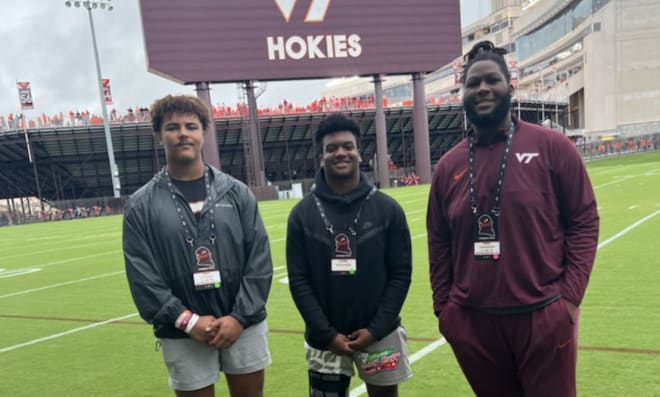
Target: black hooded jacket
(372, 297)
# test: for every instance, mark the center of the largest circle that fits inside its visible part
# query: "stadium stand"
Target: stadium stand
(71, 161)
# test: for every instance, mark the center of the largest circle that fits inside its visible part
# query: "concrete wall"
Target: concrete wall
(622, 66)
(599, 57)
(638, 61)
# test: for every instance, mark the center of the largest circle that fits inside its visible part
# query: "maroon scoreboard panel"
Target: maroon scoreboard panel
(234, 40)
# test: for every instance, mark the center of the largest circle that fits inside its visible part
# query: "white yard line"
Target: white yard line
(624, 178)
(418, 355)
(58, 239)
(27, 291)
(65, 248)
(617, 171)
(424, 198)
(277, 226)
(621, 179)
(71, 331)
(73, 259)
(626, 230)
(415, 211)
(12, 241)
(4, 273)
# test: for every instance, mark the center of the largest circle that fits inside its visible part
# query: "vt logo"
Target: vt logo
(315, 13)
(525, 158)
(311, 46)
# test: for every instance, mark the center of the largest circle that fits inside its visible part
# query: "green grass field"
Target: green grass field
(68, 326)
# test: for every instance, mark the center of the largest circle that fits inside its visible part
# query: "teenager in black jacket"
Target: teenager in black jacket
(349, 263)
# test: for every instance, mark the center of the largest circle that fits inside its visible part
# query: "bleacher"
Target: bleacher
(71, 161)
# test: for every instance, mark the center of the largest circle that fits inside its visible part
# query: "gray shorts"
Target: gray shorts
(192, 365)
(385, 363)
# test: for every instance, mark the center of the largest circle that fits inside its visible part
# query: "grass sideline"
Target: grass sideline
(54, 342)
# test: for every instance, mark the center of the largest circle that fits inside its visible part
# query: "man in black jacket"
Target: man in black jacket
(349, 263)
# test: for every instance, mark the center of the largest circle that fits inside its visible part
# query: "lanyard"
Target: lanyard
(474, 204)
(207, 204)
(328, 226)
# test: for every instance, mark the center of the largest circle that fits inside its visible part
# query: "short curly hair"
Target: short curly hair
(180, 104)
(334, 123)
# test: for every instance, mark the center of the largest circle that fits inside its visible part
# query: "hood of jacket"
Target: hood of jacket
(323, 191)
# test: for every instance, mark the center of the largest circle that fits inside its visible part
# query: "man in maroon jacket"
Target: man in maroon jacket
(512, 232)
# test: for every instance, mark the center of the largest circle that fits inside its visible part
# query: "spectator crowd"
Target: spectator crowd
(140, 114)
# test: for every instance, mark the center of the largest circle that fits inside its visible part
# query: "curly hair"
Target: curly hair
(181, 104)
(334, 123)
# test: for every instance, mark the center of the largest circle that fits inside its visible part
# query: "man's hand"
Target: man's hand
(361, 339)
(227, 331)
(199, 331)
(340, 346)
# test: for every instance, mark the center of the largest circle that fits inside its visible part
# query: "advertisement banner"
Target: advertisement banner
(25, 95)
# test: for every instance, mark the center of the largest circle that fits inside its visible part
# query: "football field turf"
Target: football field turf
(68, 326)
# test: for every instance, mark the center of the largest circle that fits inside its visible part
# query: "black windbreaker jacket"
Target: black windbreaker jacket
(372, 297)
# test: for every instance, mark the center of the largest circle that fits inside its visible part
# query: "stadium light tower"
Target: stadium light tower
(107, 6)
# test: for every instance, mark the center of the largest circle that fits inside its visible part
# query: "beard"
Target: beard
(492, 119)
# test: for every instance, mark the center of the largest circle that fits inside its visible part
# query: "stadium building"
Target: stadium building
(601, 57)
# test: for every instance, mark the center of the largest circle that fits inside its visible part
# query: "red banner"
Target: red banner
(25, 95)
(107, 95)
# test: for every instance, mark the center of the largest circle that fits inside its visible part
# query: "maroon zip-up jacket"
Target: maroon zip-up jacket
(548, 224)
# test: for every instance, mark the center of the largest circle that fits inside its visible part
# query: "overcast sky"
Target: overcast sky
(49, 45)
